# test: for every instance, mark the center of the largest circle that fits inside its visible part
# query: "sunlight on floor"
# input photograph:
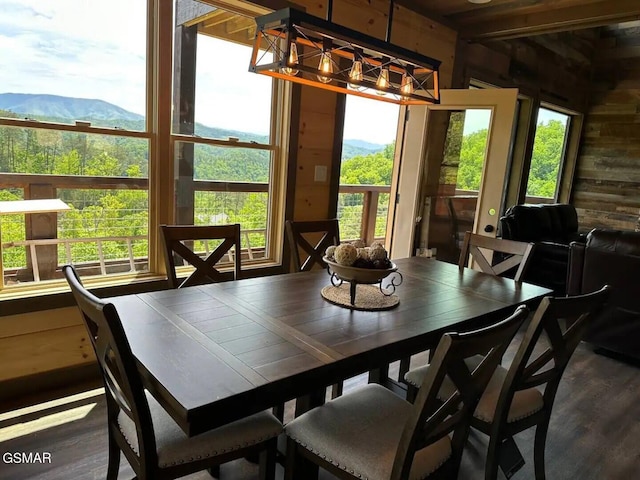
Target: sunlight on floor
(36, 418)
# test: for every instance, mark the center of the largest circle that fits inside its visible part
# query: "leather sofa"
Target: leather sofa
(551, 227)
(610, 257)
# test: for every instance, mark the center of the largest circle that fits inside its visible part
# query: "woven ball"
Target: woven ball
(358, 243)
(345, 254)
(377, 253)
(377, 244)
(363, 253)
(329, 252)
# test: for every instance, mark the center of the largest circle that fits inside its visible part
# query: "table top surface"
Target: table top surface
(215, 353)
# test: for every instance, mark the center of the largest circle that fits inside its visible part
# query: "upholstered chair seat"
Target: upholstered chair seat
(175, 448)
(360, 434)
(525, 402)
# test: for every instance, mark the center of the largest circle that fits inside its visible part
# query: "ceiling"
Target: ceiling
(504, 19)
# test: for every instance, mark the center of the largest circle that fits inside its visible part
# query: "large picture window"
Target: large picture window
(73, 128)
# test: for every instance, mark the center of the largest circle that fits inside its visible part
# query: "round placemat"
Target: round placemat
(368, 297)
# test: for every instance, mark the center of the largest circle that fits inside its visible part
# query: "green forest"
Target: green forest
(124, 212)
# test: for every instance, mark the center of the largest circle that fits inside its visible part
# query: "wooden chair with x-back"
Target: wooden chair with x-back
(179, 240)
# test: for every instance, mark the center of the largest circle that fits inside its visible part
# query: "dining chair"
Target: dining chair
(516, 254)
(177, 238)
(373, 433)
(141, 428)
(522, 395)
(299, 237)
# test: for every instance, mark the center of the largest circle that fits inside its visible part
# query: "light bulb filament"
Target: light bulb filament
(383, 81)
(292, 61)
(325, 66)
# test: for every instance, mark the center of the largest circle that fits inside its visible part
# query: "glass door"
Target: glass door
(452, 174)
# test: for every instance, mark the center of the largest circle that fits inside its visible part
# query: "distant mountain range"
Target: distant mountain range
(99, 112)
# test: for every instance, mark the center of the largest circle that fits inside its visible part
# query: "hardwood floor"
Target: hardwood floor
(594, 432)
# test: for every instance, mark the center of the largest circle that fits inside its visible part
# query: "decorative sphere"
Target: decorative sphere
(377, 244)
(330, 251)
(363, 253)
(377, 253)
(345, 254)
(358, 243)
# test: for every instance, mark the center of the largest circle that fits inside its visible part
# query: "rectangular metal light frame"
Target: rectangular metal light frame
(276, 31)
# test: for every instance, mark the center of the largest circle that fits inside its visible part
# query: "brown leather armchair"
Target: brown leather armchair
(610, 257)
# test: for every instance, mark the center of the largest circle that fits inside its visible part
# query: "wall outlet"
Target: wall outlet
(320, 174)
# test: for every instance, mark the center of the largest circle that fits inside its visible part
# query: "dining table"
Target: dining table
(215, 353)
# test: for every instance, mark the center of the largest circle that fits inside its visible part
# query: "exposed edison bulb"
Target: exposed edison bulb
(355, 74)
(383, 81)
(325, 66)
(291, 61)
(406, 86)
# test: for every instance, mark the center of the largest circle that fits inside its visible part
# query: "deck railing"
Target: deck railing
(361, 212)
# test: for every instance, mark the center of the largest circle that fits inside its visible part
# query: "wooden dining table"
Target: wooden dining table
(215, 353)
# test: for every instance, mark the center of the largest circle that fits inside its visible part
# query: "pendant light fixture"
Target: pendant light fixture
(298, 47)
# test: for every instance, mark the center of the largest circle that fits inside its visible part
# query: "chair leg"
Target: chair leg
(268, 460)
(492, 463)
(114, 459)
(412, 392)
(297, 466)
(336, 389)
(405, 365)
(538, 449)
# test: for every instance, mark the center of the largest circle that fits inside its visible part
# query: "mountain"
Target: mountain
(372, 147)
(64, 107)
(55, 108)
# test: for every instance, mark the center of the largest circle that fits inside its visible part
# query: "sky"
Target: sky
(91, 49)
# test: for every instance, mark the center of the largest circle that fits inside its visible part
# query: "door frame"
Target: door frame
(405, 213)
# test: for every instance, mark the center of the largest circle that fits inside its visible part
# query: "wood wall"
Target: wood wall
(607, 181)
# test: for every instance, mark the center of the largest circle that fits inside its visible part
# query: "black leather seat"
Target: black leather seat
(551, 227)
(610, 257)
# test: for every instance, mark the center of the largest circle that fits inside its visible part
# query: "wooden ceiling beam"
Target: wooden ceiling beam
(551, 21)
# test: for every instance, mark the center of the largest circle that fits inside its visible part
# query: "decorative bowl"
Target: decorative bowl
(359, 275)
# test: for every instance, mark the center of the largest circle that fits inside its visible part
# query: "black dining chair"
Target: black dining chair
(522, 395)
(180, 240)
(372, 433)
(141, 428)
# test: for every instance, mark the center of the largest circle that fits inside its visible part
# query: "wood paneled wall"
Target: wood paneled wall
(607, 182)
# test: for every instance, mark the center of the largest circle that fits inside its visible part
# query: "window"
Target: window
(73, 126)
(548, 153)
(225, 168)
(368, 149)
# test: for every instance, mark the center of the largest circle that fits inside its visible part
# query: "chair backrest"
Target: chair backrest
(177, 239)
(564, 320)
(519, 254)
(122, 382)
(432, 419)
(299, 235)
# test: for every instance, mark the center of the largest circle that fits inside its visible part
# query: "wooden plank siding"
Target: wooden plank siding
(607, 181)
